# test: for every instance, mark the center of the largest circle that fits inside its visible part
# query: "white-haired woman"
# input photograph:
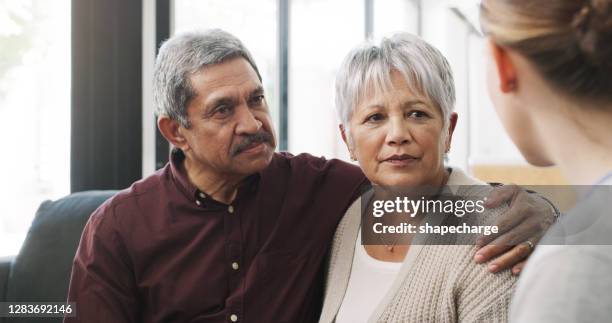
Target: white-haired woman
(395, 100)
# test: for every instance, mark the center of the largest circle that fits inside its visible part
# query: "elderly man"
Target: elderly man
(229, 230)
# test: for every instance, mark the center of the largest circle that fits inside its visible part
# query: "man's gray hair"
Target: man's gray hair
(368, 67)
(184, 55)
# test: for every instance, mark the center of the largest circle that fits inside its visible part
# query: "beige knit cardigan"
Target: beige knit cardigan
(436, 283)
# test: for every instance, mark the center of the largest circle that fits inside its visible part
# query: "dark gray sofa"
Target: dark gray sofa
(41, 270)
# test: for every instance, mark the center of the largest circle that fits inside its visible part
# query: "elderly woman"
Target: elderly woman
(396, 106)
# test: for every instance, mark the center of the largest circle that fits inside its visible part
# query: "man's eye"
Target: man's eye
(257, 99)
(223, 110)
(375, 117)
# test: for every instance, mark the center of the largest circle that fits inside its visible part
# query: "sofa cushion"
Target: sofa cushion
(5, 266)
(41, 270)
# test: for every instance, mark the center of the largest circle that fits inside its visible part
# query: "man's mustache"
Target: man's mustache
(249, 140)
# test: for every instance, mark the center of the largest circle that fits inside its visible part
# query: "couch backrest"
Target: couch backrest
(41, 270)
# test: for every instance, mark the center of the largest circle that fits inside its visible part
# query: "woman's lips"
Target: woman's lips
(401, 161)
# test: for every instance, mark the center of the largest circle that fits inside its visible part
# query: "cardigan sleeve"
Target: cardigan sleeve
(482, 296)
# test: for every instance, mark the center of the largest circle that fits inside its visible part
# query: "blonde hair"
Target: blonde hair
(568, 41)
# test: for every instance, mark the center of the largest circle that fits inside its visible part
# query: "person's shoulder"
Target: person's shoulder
(466, 184)
(471, 188)
(589, 222)
(469, 278)
(351, 217)
(151, 184)
(574, 263)
(462, 270)
(333, 184)
(569, 255)
(479, 294)
(306, 162)
(129, 198)
(561, 275)
(479, 273)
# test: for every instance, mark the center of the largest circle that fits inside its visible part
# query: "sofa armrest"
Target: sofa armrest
(5, 270)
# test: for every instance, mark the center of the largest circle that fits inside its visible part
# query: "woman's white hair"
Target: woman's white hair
(368, 67)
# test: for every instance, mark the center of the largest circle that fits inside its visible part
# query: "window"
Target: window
(35, 109)
(395, 15)
(316, 51)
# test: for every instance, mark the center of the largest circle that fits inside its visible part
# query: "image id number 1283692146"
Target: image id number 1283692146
(37, 309)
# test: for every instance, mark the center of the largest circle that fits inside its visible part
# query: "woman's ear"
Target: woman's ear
(451, 129)
(172, 131)
(344, 136)
(506, 70)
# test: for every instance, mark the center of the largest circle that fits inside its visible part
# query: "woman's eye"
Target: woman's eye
(417, 114)
(374, 118)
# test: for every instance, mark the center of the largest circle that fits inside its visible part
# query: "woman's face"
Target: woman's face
(397, 137)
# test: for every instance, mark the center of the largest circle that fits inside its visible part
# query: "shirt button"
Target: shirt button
(198, 202)
(235, 265)
(230, 209)
(234, 318)
(202, 195)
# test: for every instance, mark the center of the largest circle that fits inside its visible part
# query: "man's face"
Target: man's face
(231, 132)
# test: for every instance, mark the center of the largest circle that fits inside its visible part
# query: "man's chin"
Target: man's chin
(255, 159)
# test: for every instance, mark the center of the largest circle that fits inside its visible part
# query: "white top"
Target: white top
(571, 282)
(369, 282)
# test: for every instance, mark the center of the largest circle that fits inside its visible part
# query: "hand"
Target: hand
(527, 219)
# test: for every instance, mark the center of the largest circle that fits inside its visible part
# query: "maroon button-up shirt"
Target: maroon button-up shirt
(162, 251)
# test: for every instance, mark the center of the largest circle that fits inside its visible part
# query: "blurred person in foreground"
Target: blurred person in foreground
(549, 75)
(228, 230)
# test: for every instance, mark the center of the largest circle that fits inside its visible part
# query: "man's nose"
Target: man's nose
(398, 133)
(247, 122)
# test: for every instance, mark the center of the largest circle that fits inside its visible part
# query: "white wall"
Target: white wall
(479, 137)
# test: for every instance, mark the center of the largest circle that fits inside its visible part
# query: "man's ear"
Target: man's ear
(346, 141)
(506, 70)
(451, 129)
(173, 132)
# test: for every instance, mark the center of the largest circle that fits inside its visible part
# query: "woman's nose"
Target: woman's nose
(398, 134)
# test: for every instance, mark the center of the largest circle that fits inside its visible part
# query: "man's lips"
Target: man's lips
(256, 147)
(250, 143)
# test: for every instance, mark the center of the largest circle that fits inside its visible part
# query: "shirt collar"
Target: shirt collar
(177, 158)
(179, 173)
